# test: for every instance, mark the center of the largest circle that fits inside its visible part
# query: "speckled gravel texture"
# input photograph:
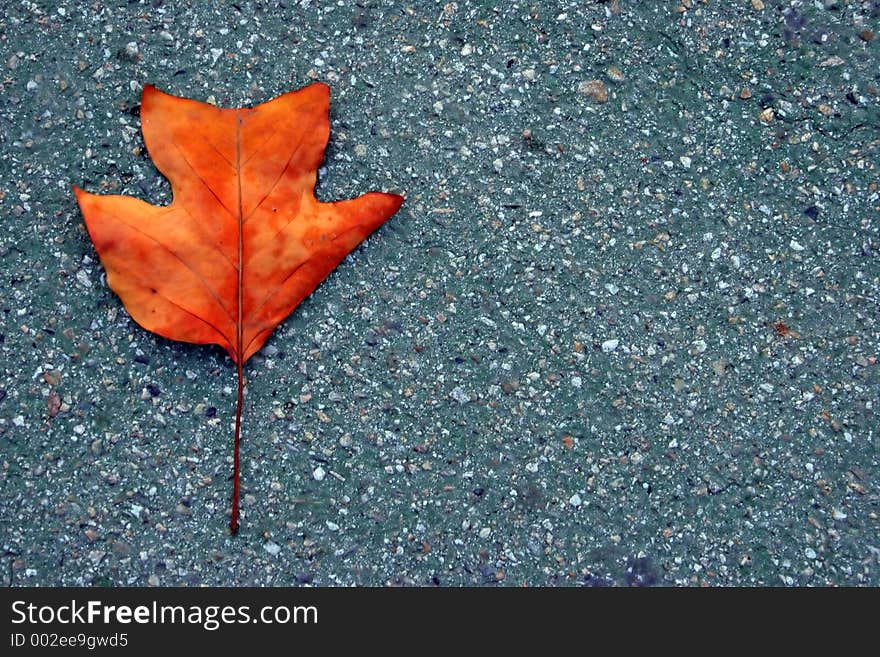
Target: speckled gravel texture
(624, 331)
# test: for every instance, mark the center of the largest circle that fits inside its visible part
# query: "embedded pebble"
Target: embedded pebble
(615, 74)
(595, 90)
(610, 345)
(458, 394)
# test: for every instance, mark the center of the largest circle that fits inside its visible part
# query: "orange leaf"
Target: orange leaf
(244, 240)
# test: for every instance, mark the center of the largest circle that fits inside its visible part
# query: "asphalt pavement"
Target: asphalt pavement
(624, 330)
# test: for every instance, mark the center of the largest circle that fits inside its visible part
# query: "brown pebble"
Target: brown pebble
(615, 74)
(53, 403)
(53, 378)
(866, 35)
(595, 90)
(745, 93)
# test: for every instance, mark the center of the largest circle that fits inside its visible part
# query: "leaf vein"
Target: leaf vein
(192, 168)
(198, 317)
(272, 187)
(195, 273)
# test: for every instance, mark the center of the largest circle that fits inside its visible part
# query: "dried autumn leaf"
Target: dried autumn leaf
(244, 240)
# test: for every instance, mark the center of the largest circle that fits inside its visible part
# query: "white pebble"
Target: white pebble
(272, 548)
(319, 474)
(458, 394)
(575, 500)
(610, 345)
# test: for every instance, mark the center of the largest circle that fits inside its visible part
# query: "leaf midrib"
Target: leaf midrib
(239, 327)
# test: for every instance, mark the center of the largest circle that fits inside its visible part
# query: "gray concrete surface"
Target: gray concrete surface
(623, 332)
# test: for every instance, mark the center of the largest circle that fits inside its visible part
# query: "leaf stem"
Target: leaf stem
(233, 523)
